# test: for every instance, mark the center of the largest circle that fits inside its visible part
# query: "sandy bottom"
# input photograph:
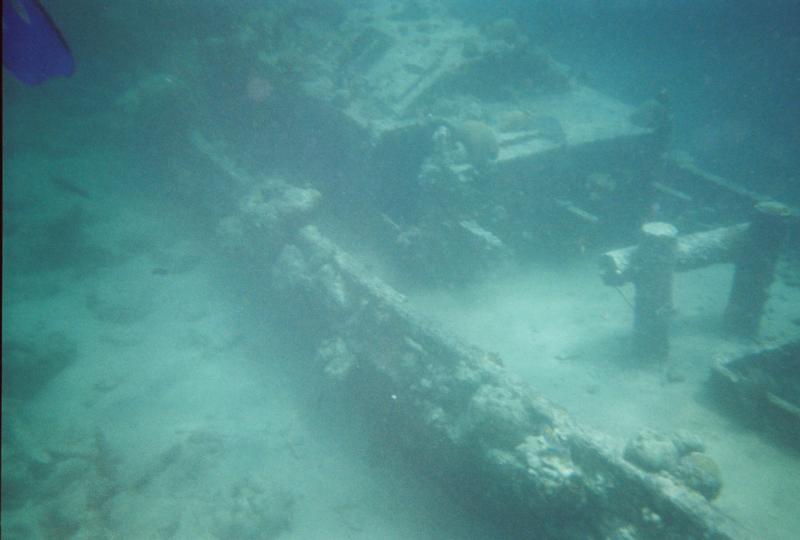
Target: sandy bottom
(178, 418)
(568, 335)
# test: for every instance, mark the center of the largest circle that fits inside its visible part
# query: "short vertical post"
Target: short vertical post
(654, 264)
(755, 262)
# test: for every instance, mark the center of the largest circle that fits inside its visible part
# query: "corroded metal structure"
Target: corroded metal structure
(761, 387)
(474, 149)
(469, 424)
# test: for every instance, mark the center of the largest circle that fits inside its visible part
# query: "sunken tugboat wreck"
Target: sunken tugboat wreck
(445, 146)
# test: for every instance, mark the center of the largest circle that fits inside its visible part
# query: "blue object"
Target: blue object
(33, 48)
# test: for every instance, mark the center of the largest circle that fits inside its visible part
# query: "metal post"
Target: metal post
(755, 262)
(653, 275)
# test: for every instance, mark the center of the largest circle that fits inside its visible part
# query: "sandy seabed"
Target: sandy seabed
(181, 417)
(568, 335)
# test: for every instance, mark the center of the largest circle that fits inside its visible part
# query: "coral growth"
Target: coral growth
(679, 455)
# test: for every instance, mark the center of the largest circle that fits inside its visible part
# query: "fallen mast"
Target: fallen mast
(483, 435)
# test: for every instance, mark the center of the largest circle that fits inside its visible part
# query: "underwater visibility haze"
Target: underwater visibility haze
(401, 269)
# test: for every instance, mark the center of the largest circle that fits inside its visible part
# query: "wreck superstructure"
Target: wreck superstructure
(453, 151)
